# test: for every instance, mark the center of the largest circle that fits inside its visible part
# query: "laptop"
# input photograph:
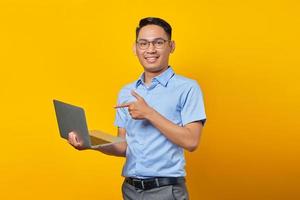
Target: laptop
(72, 118)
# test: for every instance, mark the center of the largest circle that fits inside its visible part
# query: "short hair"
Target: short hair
(154, 21)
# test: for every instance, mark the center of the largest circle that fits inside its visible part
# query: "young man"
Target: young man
(159, 115)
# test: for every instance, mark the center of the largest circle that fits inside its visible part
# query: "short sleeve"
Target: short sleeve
(192, 105)
(121, 117)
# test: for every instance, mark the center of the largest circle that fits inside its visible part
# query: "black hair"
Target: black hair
(154, 21)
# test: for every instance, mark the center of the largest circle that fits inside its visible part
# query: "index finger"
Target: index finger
(124, 105)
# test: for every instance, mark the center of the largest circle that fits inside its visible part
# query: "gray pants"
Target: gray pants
(170, 192)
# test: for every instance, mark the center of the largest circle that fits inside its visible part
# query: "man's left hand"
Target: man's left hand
(138, 109)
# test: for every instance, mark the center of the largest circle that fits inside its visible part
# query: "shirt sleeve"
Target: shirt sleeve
(192, 105)
(121, 117)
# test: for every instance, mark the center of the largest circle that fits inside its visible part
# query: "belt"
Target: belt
(147, 184)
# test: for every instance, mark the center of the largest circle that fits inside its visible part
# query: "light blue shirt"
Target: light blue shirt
(149, 153)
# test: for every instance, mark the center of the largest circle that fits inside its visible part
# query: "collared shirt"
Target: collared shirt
(149, 153)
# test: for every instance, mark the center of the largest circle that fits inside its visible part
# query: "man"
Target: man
(159, 115)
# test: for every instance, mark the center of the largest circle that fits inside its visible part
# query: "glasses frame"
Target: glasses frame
(152, 42)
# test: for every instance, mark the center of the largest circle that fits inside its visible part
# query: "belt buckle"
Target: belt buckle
(143, 186)
(134, 181)
(157, 182)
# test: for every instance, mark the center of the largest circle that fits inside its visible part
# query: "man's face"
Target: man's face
(156, 57)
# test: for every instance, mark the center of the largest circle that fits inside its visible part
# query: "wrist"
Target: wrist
(150, 113)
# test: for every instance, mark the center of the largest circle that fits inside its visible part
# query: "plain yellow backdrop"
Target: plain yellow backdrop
(244, 54)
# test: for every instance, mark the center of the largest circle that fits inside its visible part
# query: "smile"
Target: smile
(151, 59)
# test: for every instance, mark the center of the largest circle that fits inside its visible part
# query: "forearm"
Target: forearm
(179, 135)
(118, 149)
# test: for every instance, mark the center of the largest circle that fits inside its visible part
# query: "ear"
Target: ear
(172, 45)
(134, 48)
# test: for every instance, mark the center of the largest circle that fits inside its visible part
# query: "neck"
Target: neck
(148, 76)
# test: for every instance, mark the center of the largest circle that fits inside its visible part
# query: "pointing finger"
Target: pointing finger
(124, 105)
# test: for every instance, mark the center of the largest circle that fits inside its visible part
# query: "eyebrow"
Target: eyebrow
(153, 39)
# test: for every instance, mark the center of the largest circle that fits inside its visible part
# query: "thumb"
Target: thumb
(136, 95)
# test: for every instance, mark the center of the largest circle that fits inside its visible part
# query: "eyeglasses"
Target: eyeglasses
(158, 43)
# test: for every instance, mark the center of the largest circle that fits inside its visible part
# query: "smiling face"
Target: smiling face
(154, 59)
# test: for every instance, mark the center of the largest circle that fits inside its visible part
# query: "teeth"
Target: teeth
(151, 59)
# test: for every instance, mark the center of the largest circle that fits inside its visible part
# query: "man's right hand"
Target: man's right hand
(118, 149)
(75, 141)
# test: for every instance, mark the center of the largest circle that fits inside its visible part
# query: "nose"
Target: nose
(151, 47)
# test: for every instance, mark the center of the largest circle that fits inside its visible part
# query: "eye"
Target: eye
(142, 43)
(159, 42)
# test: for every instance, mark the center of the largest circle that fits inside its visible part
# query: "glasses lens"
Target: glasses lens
(159, 43)
(143, 44)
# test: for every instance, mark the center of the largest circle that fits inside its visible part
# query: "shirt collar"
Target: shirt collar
(163, 78)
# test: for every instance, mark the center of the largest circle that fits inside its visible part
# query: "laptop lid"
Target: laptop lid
(71, 118)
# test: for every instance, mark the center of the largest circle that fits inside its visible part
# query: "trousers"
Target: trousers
(170, 192)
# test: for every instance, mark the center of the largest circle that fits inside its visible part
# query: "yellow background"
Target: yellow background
(244, 54)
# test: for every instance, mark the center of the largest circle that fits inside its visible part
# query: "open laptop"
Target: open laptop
(72, 118)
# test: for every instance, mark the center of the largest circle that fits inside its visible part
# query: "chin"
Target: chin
(153, 68)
